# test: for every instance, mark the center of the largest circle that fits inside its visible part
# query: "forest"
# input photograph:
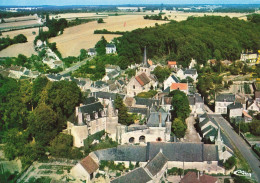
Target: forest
(7, 41)
(33, 114)
(201, 38)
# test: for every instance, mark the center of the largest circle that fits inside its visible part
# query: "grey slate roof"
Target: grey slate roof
(237, 105)
(196, 98)
(79, 82)
(89, 100)
(99, 84)
(138, 175)
(156, 164)
(55, 77)
(110, 45)
(136, 127)
(210, 153)
(123, 153)
(112, 74)
(107, 95)
(188, 152)
(167, 90)
(228, 97)
(147, 102)
(190, 71)
(206, 120)
(175, 78)
(154, 119)
(137, 110)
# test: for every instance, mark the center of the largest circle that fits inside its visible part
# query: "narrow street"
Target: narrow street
(241, 145)
(191, 134)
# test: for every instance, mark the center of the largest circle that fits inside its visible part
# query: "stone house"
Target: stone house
(247, 117)
(183, 74)
(172, 64)
(171, 79)
(235, 110)
(196, 104)
(110, 48)
(111, 75)
(86, 169)
(222, 101)
(250, 57)
(92, 52)
(91, 118)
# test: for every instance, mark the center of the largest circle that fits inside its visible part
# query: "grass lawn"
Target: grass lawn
(251, 137)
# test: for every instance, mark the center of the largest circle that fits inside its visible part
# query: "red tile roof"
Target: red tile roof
(142, 79)
(89, 164)
(172, 63)
(190, 177)
(179, 86)
(150, 62)
(247, 115)
(208, 179)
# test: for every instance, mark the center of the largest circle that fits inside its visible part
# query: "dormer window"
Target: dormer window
(88, 117)
(96, 115)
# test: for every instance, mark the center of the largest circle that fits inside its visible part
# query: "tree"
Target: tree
(43, 124)
(123, 117)
(100, 20)
(38, 86)
(21, 60)
(20, 39)
(179, 127)
(230, 162)
(101, 46)
(83, 54)
(161, 73)
(180, 104)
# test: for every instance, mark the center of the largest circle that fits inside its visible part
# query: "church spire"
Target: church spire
(169, 117)
(145, 64)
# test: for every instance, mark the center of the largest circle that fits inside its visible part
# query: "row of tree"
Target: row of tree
(7, 41)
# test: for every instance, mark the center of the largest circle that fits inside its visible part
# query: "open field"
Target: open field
(17, 19)
(20, 24)
(22, 48)
(82, 36)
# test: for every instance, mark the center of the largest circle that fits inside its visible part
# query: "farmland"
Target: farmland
(75, 38)
(23, 48)
(82, 36)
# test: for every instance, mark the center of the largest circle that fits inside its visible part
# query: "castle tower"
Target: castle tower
(110, 109)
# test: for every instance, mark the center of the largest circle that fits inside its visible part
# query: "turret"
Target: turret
(219, 143)
(168, 124)
(110, 109)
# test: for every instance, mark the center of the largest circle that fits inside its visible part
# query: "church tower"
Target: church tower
(220, 144)
(168, 124)
(144, 67)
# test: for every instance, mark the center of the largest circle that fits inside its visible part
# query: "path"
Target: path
(191, 134)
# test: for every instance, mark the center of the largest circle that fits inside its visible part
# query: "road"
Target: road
(191, 134)
(74, 67)
(240, 144)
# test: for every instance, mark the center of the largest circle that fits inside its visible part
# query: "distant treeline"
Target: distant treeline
(6, 41)
(201, 38)
(155, 17)
(105, 31)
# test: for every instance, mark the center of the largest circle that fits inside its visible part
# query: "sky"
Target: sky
(119, 2)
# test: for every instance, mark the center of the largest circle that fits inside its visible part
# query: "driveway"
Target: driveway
(191, 134)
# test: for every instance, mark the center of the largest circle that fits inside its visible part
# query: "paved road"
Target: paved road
(241, 145)
(74, 67)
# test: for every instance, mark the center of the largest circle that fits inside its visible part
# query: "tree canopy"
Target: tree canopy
(201, 38)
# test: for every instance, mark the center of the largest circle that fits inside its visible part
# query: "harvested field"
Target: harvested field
(19, 25)
(82, 36)
(26, 49)
(17, 19)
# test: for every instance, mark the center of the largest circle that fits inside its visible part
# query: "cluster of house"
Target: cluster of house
(237, 106)
(50, 58)
(18, 72)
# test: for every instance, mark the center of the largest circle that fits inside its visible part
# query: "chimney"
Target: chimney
(160, 119)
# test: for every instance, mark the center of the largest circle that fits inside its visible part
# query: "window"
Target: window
(132, 140)
(133, 86)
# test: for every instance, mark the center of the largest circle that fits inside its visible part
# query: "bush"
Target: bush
(230, 162)
(226, 180)
(100, 20)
